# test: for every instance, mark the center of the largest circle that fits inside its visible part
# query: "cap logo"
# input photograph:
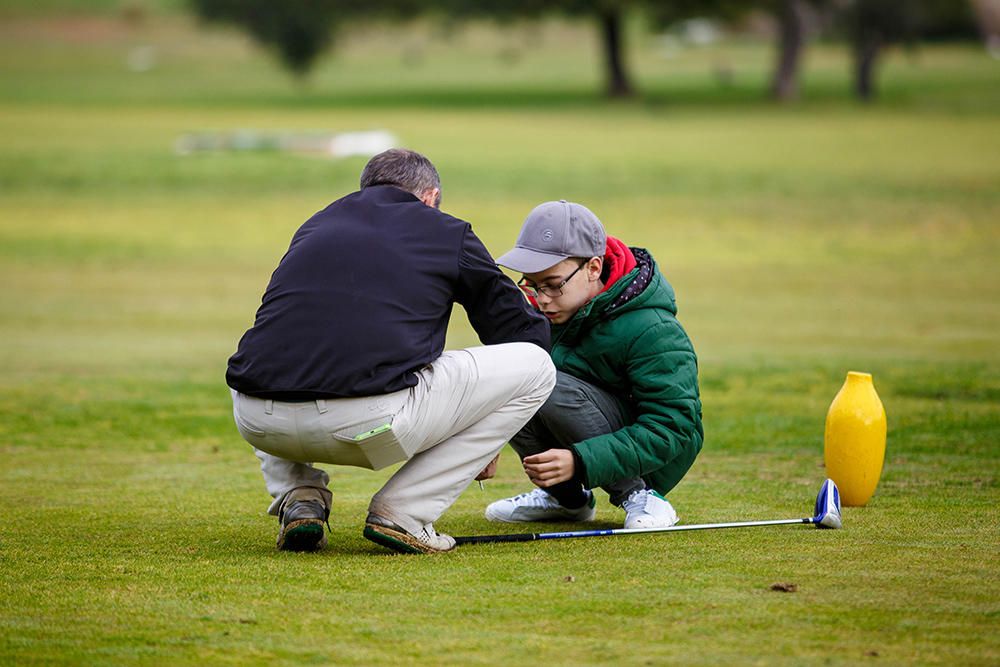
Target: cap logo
(547, 235)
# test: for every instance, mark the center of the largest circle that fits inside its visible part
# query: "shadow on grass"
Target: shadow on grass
(345, 542)
(695, 95)
(682, 94)
(939, 94)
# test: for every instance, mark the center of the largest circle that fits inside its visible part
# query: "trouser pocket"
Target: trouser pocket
(376, 443)
(252, 433)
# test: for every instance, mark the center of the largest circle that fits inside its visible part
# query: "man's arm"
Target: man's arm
(497, 309)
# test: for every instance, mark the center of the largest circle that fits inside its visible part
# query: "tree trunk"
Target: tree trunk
(987, 14)
(792, 21)
(866, 54)
(611, 34)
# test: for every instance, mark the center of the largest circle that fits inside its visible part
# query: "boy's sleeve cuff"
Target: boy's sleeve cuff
(579, 469)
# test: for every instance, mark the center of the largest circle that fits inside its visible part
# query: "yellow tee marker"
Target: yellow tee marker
(854, 441)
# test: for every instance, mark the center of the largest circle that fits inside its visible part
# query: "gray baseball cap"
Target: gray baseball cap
(552, 232)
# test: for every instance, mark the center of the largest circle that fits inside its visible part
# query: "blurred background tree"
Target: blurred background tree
(297, 30)
(793, 20)
(300, 30)
(987, 13)
(873, 25)
(608, 15)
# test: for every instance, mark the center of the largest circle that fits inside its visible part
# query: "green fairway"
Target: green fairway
(803, 242)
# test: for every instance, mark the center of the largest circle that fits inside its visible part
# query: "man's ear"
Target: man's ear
(431, 197)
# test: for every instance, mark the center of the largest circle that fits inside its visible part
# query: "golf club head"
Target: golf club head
(828, 506)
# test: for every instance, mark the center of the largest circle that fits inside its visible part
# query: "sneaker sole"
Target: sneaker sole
(490, 516)
(398, 541)
(676, 521)
(302, 535)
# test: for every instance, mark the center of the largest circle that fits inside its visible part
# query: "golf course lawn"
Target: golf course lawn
(803, 242)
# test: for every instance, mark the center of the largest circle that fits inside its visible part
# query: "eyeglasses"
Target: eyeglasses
(550, 291)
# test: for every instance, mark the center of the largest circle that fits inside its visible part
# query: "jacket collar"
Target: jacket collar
(388, 193)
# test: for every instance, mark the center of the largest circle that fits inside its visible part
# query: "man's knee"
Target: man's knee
(547, 375)
(542, 370)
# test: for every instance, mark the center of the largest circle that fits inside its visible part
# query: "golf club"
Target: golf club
(827, 515)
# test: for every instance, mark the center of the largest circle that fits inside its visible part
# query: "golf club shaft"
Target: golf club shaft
(528, 537)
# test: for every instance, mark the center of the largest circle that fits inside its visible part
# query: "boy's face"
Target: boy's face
(582, 283)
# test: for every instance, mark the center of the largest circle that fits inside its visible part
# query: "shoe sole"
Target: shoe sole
(549, 519)
(398, 541)
(490, 516)
(676, 521)
(302, 535)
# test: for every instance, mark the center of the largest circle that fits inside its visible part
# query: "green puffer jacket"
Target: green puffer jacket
(628, 341)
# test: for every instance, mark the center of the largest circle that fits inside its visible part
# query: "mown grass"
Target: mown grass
(803, 242)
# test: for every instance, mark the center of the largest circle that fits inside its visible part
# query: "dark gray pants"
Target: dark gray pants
(576, 410)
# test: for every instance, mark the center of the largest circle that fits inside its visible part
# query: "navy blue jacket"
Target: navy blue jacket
(363, 296)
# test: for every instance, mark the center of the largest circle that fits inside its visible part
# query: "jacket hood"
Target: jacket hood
(619, 260)
(645, 286)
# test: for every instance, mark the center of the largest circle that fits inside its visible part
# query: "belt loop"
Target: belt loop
(268, 406)
(321, 405)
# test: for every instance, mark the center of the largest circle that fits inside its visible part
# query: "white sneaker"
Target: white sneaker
(538, 505)
(648, 509)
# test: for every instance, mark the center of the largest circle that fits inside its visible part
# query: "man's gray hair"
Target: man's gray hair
(403, 168)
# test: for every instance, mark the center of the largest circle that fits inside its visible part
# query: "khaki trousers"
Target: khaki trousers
(466, 405)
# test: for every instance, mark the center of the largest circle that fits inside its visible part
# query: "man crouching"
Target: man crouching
(345, 361)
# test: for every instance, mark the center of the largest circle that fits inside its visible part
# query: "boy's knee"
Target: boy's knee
(567, 393)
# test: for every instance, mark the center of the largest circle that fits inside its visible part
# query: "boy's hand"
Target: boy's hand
(550, 467)
(489, 470)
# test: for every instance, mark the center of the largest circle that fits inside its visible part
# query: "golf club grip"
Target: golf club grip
(481, 539)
